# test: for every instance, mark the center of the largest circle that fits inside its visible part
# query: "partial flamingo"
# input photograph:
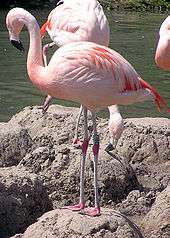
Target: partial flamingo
(87, 73)
(162, 55)
(73, 21)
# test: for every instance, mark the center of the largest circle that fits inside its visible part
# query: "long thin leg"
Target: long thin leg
(95, 211)
(46, 104)
(45, 50)
(48, 99)
(76, 141)
(96, 154)
(84, 152)
(85, 143)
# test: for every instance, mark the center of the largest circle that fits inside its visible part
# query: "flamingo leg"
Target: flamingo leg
(48, 99)
(45, 50)
(81, 204)
(46, 103)
(94, 211)
(76, 141)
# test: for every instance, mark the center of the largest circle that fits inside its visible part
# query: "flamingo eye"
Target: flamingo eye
(60, 2)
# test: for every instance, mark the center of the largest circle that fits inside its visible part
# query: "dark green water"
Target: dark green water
(133, 35)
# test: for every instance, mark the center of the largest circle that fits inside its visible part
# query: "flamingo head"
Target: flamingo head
(14, 26)
(116, 127)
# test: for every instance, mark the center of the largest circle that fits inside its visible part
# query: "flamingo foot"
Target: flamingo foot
(76, 207)
(91, 211)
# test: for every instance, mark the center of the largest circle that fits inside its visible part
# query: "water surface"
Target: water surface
(133, 35)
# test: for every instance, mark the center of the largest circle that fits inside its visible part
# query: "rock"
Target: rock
(23, 198)
(146, 146)
(62, 223)
(53, 158)
(15, 142)
(61, 171)
(130, 178)
(143, 140)
(56, 125)
(136, 205)
(156, 223)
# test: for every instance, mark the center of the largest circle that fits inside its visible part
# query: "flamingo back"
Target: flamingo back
(77, 21)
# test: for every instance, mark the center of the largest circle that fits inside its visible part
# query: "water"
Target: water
(133, 35)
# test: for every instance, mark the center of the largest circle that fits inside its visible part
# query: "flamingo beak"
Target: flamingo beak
(18, 45)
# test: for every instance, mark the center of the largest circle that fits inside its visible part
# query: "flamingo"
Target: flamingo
(162, 55)
(77, 20)
(84, 72)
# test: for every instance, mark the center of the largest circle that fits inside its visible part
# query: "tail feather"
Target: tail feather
(161, 104)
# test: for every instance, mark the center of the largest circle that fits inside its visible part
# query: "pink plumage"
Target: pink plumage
(162, 55)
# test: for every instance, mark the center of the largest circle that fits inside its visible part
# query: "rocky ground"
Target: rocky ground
(39, 174)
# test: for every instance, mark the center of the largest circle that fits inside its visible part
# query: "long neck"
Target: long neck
(34, 59)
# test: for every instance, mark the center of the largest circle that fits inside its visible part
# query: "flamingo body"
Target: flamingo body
(74, 21)
(86, 72)
(162, 55)
(77, 21)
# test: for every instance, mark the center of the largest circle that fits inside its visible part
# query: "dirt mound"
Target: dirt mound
(23, 199)
(63, 223)
(130, 178)
(157, 221)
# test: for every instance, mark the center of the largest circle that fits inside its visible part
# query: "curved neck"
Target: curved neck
(35, 48)
(19, 16)
(34, 59)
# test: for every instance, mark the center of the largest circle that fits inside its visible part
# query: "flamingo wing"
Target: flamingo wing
(77, 21)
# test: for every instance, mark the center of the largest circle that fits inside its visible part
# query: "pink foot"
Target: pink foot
(76, 143)
(91, 211)
(76, 207)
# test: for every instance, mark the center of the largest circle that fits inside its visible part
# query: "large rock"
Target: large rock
(61, 172)
(156, 224)
(53, 157)
(15, 142)
(130, 178)
(61, 223)
(23, 198)
(145, 143)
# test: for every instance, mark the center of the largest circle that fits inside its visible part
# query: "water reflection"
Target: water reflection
(133, 35)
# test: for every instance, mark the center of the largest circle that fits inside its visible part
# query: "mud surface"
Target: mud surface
(40, 172)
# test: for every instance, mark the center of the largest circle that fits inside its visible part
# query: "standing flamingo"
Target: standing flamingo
(84, 72)
(73, 21)
(162, 55)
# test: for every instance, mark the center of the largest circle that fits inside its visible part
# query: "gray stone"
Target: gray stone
(130, 178)
(157, 222)
(23, 198)
(62, 223)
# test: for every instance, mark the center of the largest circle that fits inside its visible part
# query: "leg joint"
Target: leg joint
(85, 146)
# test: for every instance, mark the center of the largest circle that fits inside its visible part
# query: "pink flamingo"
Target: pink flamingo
(162, 55)
(73, 21)
(84, 72)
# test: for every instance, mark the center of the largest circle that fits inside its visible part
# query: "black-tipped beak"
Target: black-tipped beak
(109, 147)
(18, 45)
